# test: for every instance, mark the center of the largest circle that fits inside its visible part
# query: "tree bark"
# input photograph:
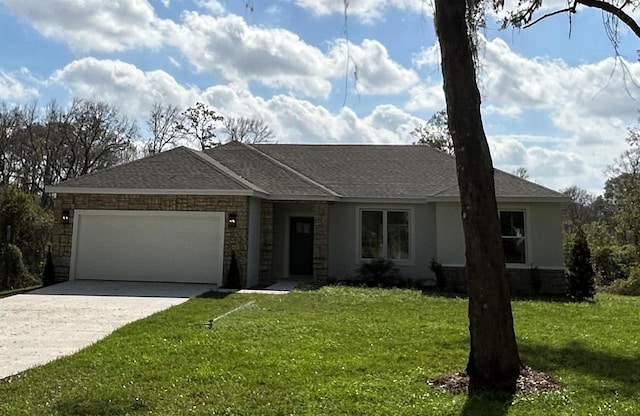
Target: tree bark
(494, 364)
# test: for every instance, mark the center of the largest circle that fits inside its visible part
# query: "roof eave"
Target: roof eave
(287, 197)
(151, 191)
(373, 200)
(507, 199)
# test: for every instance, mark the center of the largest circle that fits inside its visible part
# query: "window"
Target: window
(384, 233)
(513, 236)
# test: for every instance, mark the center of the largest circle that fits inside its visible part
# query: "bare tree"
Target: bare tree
(9, 124)
(163, 122)
(435, 133)
(246, 130)
(521, 172)
(97, 137)
(199, 123)
(43, 145)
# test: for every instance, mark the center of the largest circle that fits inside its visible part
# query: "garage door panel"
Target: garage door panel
(148, 246)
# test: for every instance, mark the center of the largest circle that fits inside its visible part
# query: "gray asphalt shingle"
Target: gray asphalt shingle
(309, 171)
(179, 168)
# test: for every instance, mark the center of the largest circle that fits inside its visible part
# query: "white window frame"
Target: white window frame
(527, 234)
(399, 262)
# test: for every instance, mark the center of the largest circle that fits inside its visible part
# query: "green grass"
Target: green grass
(335, 351)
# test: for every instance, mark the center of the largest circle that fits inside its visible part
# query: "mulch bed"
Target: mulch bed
(530, 381)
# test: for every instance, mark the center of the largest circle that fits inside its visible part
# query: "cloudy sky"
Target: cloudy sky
(555, 100)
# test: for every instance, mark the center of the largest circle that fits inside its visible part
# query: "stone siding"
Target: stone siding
(235, 239)
(522, 282)
(266, 243)
(320, 241)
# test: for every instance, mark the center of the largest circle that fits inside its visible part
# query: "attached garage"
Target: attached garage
(158, 246)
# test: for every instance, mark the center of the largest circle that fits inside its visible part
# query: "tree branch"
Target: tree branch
(571, 9)
(614, 10)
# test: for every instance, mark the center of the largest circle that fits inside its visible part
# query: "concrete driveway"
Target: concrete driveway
(45, 324)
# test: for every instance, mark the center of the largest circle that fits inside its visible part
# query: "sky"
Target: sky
(555, 98)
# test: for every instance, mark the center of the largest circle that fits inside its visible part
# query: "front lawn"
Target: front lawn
(334, 351)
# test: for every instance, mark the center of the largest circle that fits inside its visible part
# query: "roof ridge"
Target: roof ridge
(225, 170)
(292, 170)
(445, 189)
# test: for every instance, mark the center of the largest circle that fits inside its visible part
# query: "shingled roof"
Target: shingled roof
(179, 169)
(289, 171)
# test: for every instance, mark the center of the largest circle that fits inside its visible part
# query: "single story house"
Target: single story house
(286, 210)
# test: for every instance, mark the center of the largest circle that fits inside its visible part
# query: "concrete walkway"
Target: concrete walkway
(45, 324)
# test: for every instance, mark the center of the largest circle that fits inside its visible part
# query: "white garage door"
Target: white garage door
(159, 246)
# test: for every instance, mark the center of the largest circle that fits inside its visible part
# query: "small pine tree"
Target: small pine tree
(233, 277)
(580, 274)
(49, 273)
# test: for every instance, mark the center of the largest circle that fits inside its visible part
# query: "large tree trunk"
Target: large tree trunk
(494, 363)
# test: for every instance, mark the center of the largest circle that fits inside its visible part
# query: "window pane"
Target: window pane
(398, 235)
(512, 223)
(514, 250)
(371, 234)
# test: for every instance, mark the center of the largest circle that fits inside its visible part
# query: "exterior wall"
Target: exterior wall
(253, 254)
(282, 212)
(543, 234)
(449, 234)
(543, 274)
(235, 239)
(344, 240)
(320, 241)
(266, 243)
(546, 235)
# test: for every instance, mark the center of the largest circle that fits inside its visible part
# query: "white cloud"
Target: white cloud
(300, 121)
(87, 25)
(604, 87)
(12, 89)
(277, 58)
(214, 6)
(241, 53)
(123, 85)
(555, 162)
(367, 11)
(376, 72)
(592, 101)
(427, 57)
(426, 97)
(293, 120)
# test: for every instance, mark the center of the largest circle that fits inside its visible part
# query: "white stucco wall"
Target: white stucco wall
(546, 235)
(344, 240)
(543, 231)
(449, 234)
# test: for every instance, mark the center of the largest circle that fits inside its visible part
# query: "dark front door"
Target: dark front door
(301, 246)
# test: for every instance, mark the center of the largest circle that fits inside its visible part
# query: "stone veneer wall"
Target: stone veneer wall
(266, 243)
(526, 281)
(320, 240)
(320, 212)
(235, 239)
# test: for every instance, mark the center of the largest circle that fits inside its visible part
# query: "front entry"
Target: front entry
(301, 246)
